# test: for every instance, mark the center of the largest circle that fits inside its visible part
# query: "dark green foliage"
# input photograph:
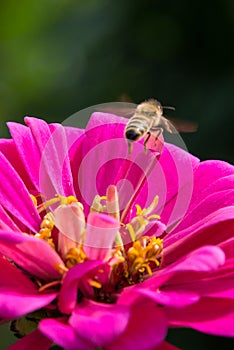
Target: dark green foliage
(59, 57)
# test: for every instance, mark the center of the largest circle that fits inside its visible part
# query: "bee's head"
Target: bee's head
(158, 106)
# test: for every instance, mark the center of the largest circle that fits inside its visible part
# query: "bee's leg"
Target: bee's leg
(156, 131)
(129, 147)
(146, 140)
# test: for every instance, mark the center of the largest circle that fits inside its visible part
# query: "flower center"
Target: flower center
(130, 262)
(130, 256)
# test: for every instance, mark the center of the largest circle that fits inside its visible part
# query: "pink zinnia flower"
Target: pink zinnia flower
(100, 249)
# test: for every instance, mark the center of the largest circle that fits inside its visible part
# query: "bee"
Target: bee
(147, 120)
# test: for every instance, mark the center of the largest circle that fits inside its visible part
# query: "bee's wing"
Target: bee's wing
(177, 125)
(167, 125)
(122, 109)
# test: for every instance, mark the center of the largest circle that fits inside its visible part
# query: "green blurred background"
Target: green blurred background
(59, 56)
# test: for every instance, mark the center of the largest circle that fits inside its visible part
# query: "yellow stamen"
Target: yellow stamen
(95, 284)
(75, 256)
(154, 216)
(143, 253)
(131, 232)
(97, 206)
(61, 269)
(72, 199)
(138, 224)
(128, 266)
(136, 227)
(34, 199)
(58, 199)
(138, 209)
(117, 257)
(148, 269)
(151, 207)
(48, 285)
(46, 229)
(47, 204)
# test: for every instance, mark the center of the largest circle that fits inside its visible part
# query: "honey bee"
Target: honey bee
(148, 119)
(145, 119)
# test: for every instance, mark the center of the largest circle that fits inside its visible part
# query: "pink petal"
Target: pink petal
(99, 323)
(18, 295)
(147, 328)
(210, 178)
(99, 158)
(208, 173)
(217, 284)
(133, 181)
(100, 118)
(72, 133)
(19, 280)
(176, 298)
(204, 259)
(72, 281)
(213, 229)
(89, 166)
(177, 281)
(54, 172)
(101, 231)
(6, 223)
(172, 180)
(23, 250)
(220, 184)
(27, 150)
(63, 335)
(212, 316)
(207, 206)
(155, 228)
(9, 150)
(227, 247)
(15, 198)
(25, 301)
(34, 340)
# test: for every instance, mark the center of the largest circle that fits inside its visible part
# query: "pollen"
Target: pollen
(46, 228)
(71, 199)
(144, 255)
(75, 256)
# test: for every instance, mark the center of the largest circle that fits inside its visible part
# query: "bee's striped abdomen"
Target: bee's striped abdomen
(137, 127)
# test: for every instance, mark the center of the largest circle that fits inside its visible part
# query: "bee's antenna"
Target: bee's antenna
(169, 107)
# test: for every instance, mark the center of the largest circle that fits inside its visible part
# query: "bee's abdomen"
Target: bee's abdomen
(136, 128)
(133, 134)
